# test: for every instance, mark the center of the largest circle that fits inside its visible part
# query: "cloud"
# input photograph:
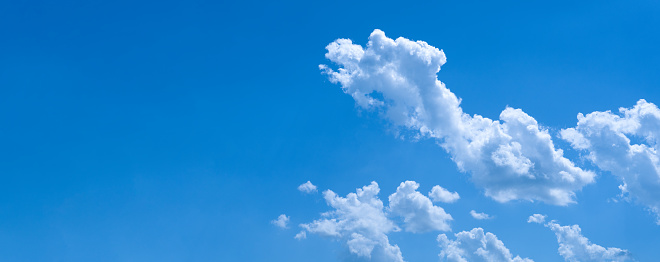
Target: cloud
(362, 221)
(574, 247)
(473, 246)
(281, 221)
(512, 159)
(479, 216)
(536, 218)
(307, 187)
(359, 221)
(440, 194)
(418, 212)
(301, 235)
(627, 145)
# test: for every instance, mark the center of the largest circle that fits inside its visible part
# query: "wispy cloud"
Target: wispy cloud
(480, 216)
(281, 221)
(301, 235)
(512, 159)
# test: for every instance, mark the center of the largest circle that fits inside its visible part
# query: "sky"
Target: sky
(329, 131)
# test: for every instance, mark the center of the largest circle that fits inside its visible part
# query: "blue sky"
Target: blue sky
(177, 131)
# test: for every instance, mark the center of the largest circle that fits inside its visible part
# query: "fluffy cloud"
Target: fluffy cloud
(307, 187)
(513, 158)
(574, 247)
(362, 222)
(474, 245)
(440, 194)
(418, 212)
(480, 216)
(626, 145)
(301, 235)
(281, 221)
(536, 218)
(358, 220)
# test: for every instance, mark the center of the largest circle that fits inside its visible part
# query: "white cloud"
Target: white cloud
(301, 235)
(281, 221)
(479, 216)
(627, 145)
(574, 247)
(418, 212)
(473, 246)
(307, 187)
(440, 194)
(512, 159)
(358, 220)
(536, 218)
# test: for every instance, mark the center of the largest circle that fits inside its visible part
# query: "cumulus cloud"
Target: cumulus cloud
(475, 245)
(418, 212)
(625, 144)
(479, 216)
(576, 248)
(440, 194)
(307, 187)
(512, 159)
(536, 218)
(359, 221)
(362, 221)
(301, 235)
(281, 221)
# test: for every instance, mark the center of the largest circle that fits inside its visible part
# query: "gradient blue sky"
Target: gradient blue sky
(176, 131)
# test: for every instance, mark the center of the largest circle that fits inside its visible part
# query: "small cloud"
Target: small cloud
(360, 221)
(476, 245)
(301, 235)
(536, 218)
(440, 194)
(573, 246)
(418, 212)
(281, 221)
(307, 187)
(480, 216)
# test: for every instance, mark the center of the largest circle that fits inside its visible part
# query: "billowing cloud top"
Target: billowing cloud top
(513, 158)
(419, 213)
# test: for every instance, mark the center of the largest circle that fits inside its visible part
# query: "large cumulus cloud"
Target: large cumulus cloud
(511, 159)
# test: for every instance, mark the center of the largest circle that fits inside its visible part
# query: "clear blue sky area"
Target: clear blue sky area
(177, 131)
